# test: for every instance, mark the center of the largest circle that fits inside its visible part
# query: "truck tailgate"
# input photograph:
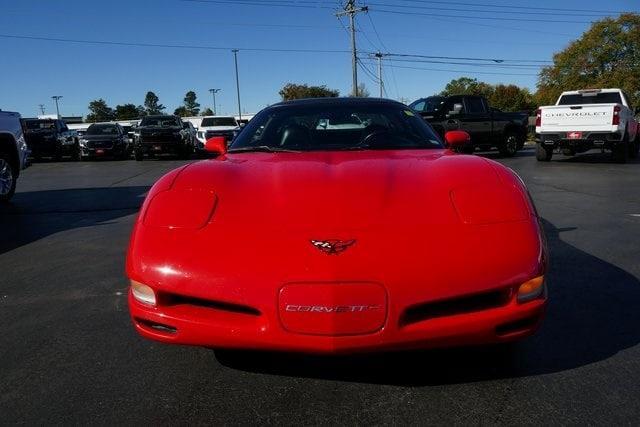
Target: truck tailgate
(586, 117)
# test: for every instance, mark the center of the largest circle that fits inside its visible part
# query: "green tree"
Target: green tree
(467, 86)
(128, 112)
(207, 112)
(300, 91)
(511, 98)
(191, 106)
(607, 55)
(181, 111)
(99, 111)
(152, 104)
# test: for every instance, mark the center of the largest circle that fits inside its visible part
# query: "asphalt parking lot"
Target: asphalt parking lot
(68, 353)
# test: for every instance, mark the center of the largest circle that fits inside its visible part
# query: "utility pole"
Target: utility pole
(41, 106)
(213, 92)
(235, 58)
(379, 56)
(351, 10)
(56, 98)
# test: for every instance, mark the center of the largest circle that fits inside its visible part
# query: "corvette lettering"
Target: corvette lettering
(331, 308)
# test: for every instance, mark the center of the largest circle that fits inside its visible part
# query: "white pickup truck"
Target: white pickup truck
(583, 120)
(13, 153)
(210, 126)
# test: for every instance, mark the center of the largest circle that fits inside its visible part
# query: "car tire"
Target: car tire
(510, 145)
(634, 147)
(543, 154)
(139, 155)
(620, 152)
(8, 173)
(77, 155)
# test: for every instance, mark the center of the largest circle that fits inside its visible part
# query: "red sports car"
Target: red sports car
(337, 225)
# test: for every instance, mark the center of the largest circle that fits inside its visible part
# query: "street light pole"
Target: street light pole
(56, 98)
(213, 92)
(235, 58)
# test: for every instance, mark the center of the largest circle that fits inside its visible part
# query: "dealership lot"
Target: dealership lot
(69, 354)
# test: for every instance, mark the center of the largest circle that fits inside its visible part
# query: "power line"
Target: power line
(488, 18)
(170, 46)
(510, 6)
(519, 12)
(464, 71)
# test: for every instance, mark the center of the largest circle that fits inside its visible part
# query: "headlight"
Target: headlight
(143, 293)
(531, 289)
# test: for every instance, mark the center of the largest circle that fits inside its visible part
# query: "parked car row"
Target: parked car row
(154, 135)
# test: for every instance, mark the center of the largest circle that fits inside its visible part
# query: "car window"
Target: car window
(475, 106)
(590, 98)
(218, 121)
(338, 127)
(418, 106)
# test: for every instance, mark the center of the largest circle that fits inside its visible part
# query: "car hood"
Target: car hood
(341, 190)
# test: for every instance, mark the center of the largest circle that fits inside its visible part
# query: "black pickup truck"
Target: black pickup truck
(488, 127)
(51, 138)
(162, 134)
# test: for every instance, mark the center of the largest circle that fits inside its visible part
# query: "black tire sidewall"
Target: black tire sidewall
(5, 198)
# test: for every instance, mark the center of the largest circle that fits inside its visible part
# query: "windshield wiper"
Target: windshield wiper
(262, 148)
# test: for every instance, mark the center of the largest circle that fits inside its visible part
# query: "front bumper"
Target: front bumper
(587, 141)
(151, 147)
(222, 327)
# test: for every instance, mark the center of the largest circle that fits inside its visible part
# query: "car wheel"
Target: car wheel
(543, 154)
(139, 155)
(510, 146)
(620, 152)
(77, 155)
(634, 148)
(8, 174)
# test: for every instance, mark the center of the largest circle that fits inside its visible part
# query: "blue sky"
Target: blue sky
(34, 70)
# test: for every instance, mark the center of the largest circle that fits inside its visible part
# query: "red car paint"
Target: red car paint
(442, 242)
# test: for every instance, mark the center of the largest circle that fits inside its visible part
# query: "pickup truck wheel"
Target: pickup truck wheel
(139, 155)
(510, 146)
(543, 154)
(634, 148)
(620, 152)
(7, 178)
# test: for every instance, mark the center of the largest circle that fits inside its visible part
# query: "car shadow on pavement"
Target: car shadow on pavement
(34, 215)
(590, 157)
(592, 315)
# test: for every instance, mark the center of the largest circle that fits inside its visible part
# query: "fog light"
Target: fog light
(531, 289)
(143, 293)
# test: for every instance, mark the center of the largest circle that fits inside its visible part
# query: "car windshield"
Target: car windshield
(39, 124)
(102, 130)
(161, 121)
(429, 105)
(591, 98)
(218, 121)
(326, 126)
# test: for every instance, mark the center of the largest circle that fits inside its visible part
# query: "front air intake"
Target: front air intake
(455, 306)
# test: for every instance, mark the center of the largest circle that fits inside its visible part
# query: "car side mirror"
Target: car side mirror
(457, 108)
(456, 139)
(216, 145)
